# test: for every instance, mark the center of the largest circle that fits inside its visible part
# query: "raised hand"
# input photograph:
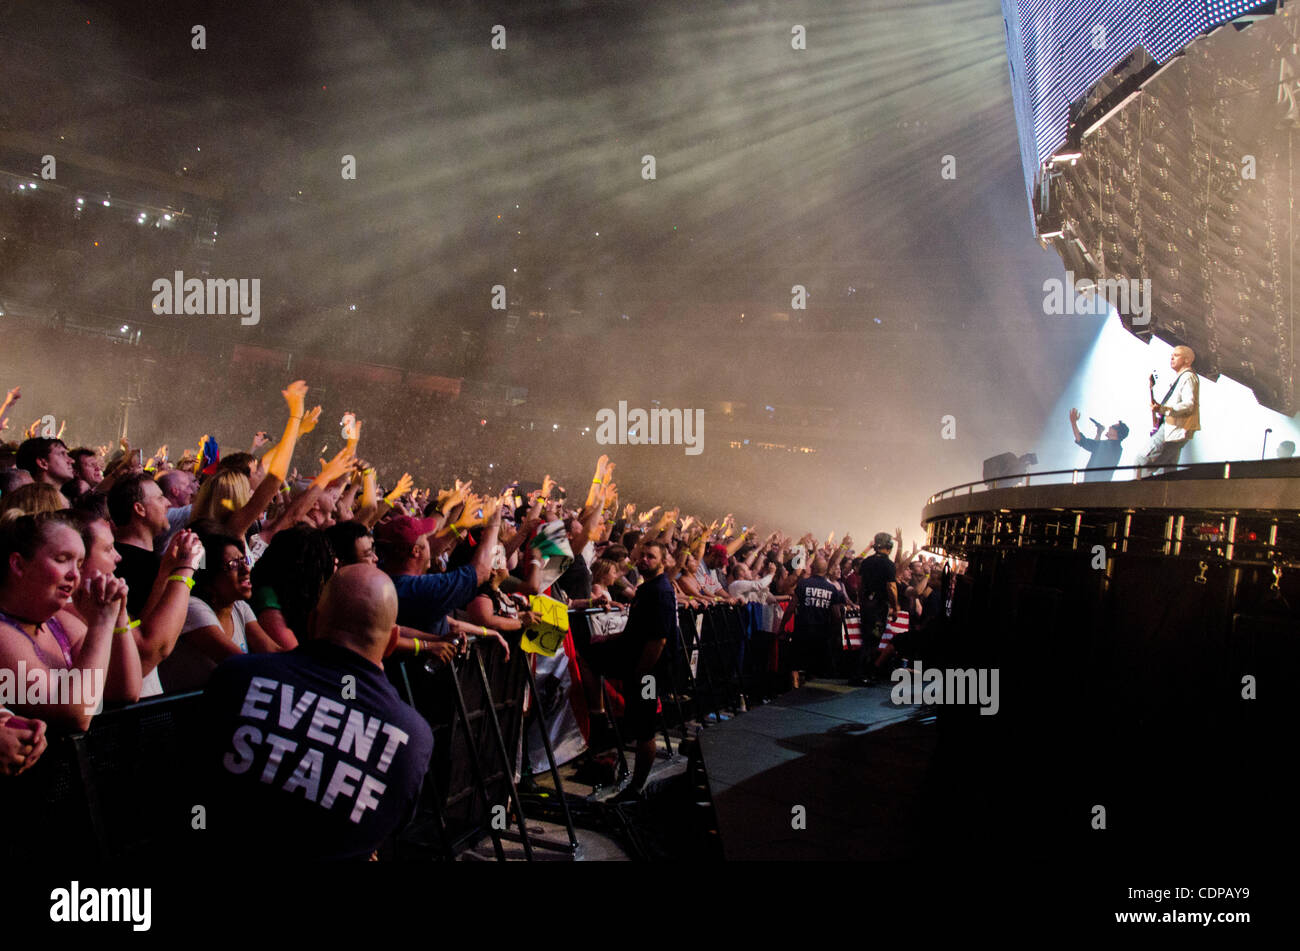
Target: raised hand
(462, 491)
(336, 468)
(295, 395)
(261, 438)
(628, 511)
(470, 517)
(403, 486)
(185, 551)
(309, 421)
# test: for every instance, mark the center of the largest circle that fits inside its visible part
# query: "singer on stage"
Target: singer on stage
(1105, 450)
(1176, 418)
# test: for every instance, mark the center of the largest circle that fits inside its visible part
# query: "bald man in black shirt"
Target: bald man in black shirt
(312, 752)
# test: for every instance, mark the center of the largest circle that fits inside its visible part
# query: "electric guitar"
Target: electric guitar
(1157, 417)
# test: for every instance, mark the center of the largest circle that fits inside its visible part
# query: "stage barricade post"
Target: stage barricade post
(122, 789)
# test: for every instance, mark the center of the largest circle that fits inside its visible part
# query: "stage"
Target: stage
(854, 761)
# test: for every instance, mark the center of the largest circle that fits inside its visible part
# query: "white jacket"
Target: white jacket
(1183, 417)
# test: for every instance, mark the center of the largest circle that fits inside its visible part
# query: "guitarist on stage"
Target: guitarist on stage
(1175, 418)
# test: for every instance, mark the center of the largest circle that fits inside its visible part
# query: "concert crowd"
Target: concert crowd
(282, 595)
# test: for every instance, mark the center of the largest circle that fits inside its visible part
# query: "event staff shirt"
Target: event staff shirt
(813, 599)
(314, 754)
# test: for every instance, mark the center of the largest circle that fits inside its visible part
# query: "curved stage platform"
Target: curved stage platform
(1145, 639)
(1146, 634)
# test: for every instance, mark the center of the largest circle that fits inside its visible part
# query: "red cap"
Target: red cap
(402, 530)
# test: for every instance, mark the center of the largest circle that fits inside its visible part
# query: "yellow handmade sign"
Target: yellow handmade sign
(547, 635)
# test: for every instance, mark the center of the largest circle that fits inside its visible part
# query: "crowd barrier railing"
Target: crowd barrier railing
(476, 709)
(120, 790)
(126, 787)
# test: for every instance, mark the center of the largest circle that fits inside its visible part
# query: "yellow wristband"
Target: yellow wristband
(417, 647)
(122, 630)
(189, 582)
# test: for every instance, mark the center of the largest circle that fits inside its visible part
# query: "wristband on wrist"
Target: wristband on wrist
(188, 582)
(417, 647)
(129, 627)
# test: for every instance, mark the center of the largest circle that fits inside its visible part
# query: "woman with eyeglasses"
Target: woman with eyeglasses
(219, 623)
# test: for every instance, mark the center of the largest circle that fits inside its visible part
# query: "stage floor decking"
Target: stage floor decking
(854, 761)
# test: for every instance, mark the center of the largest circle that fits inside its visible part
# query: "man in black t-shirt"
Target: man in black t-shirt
(311, 753)
(879, 596)
(632, 655)
(1104, 453)
(818, 608)
(139, 512)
